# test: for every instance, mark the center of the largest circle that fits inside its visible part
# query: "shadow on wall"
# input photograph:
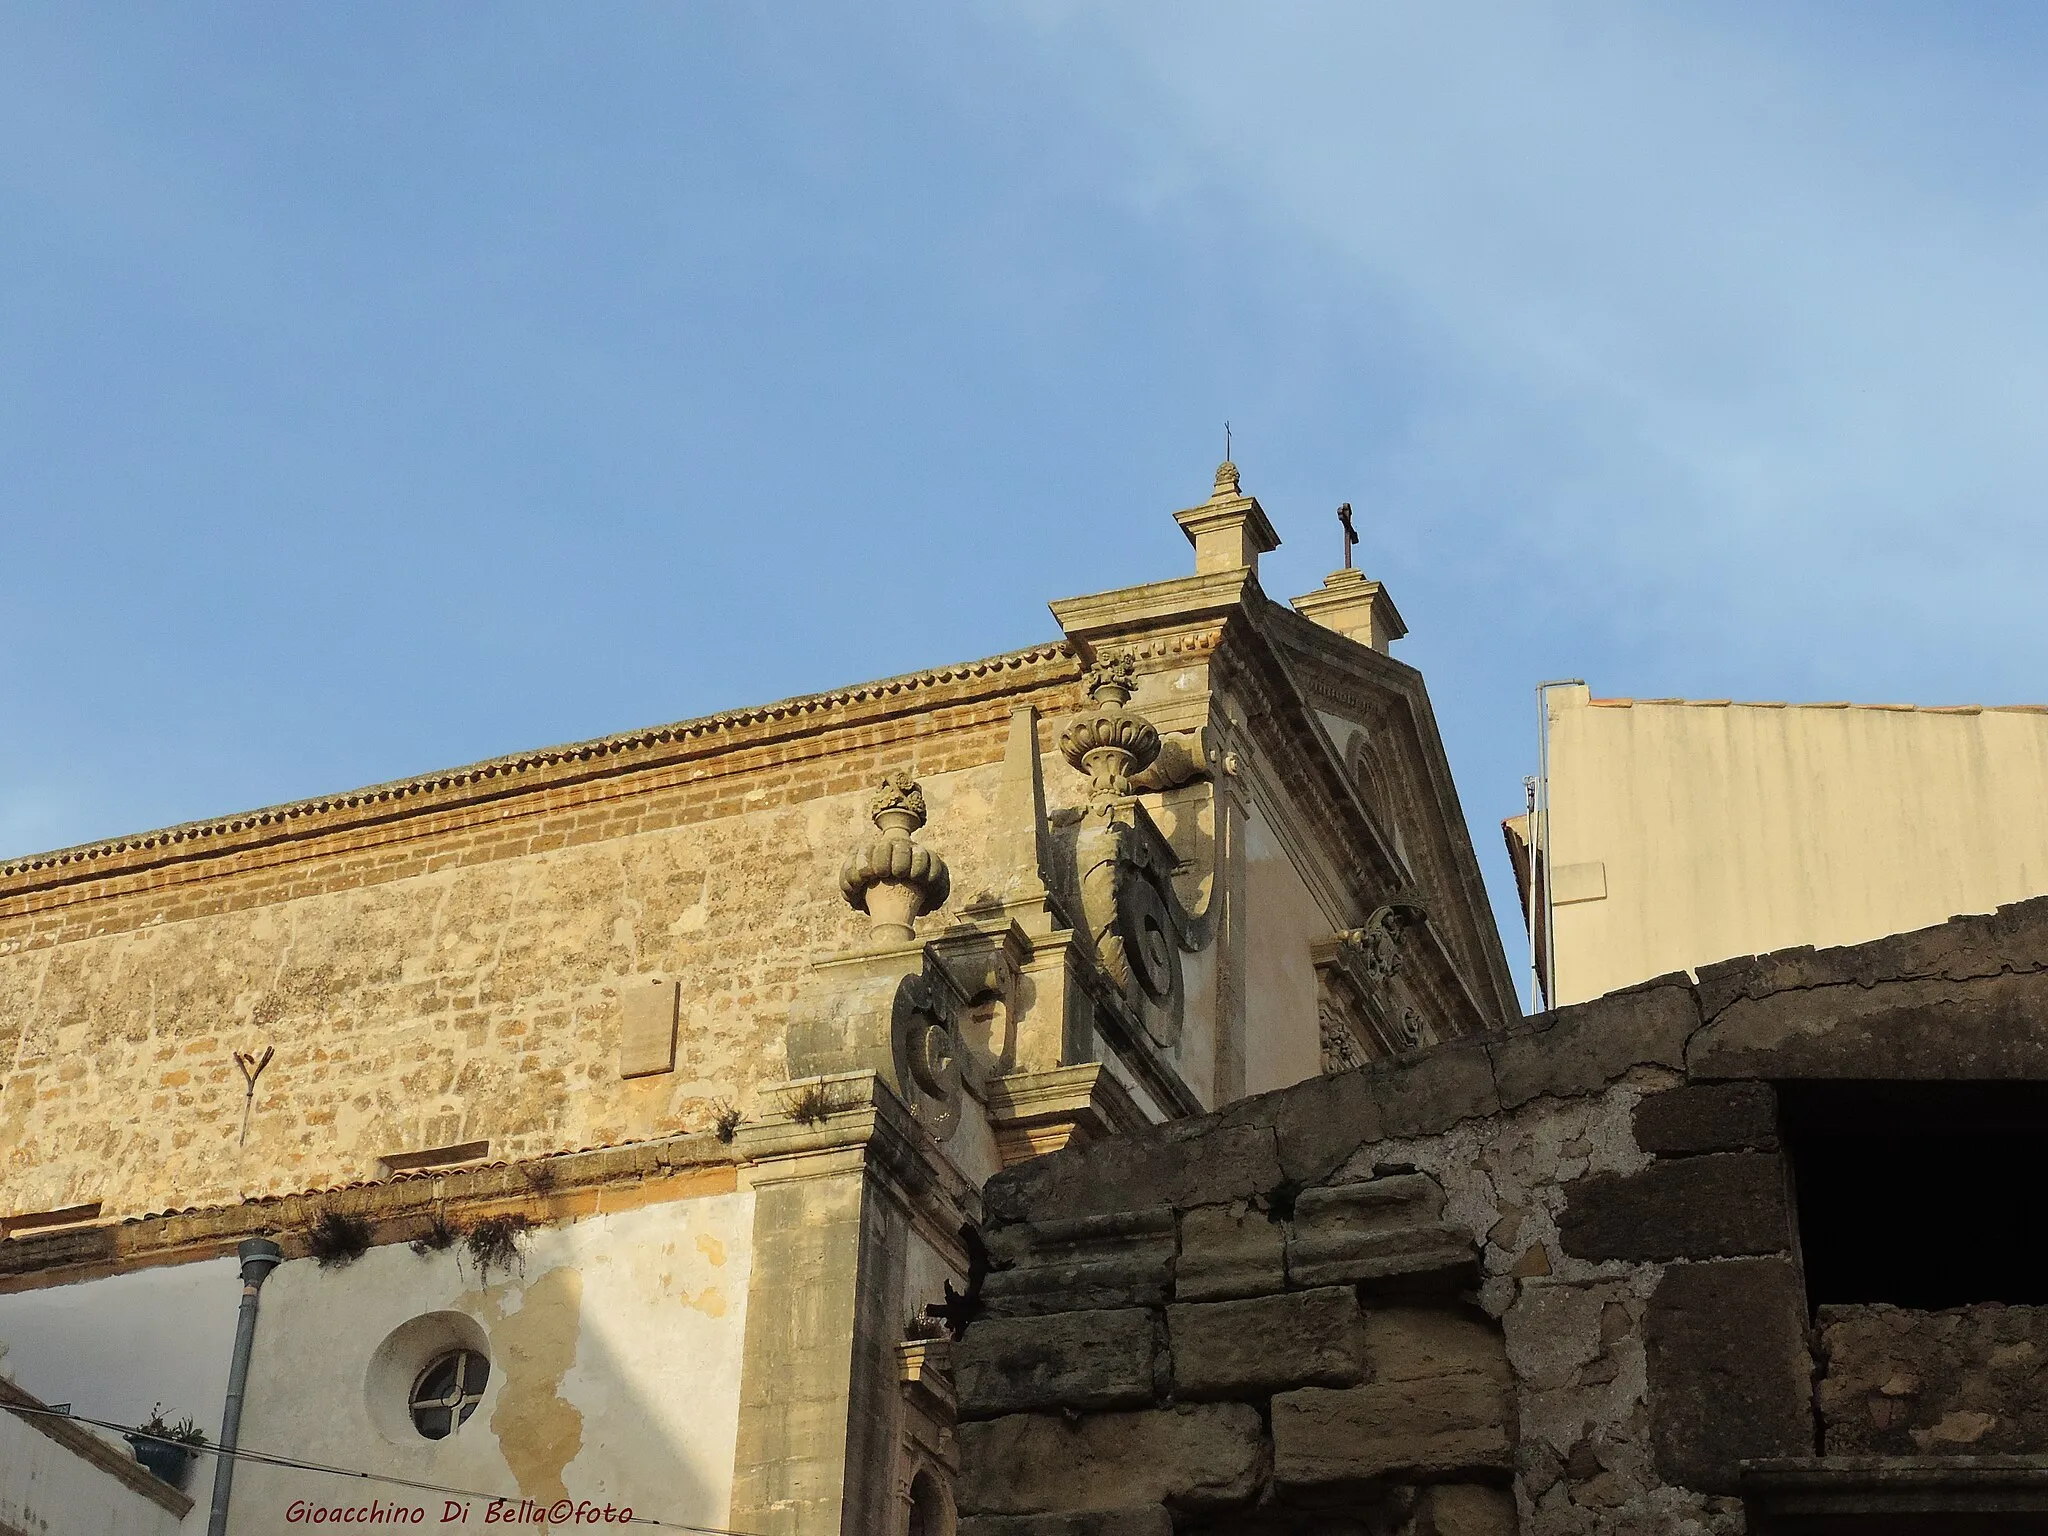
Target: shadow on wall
(114, 1348)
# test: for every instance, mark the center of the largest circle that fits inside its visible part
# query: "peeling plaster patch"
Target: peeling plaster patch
(712, 1249)
(710, 1301)
(539, 1431)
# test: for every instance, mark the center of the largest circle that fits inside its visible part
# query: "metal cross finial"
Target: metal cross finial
(1226, 442)
(1350, 533)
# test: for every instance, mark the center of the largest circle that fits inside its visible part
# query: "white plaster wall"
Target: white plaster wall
(50, 1490)
(115, 1347)
(615, 1371)
(1282, 918)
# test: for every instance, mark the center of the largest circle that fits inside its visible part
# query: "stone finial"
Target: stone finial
(1111, 742)
(889, 877)
(1230, 530)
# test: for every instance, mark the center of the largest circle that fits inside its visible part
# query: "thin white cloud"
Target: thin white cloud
(1703, 285)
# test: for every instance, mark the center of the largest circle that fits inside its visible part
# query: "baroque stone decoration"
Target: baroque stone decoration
(1366, 1006)
(1114, 742)
(890, 877)
(1135, 920)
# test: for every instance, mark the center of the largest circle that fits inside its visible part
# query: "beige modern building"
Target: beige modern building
(1685, 831)
(619, 1110)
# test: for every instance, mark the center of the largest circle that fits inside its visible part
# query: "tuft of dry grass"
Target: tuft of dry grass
(338, 1240)
(811, 1105)
(439, 1235)
(497, 1242)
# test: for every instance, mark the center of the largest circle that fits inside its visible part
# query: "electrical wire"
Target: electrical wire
(267, 1459)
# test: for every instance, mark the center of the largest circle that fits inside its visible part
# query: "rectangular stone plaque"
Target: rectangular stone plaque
(647, 1026)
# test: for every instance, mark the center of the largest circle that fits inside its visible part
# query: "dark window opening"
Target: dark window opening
(447, 1392)
(1924, 1195)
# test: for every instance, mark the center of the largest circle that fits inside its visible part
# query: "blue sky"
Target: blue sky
(385, 387)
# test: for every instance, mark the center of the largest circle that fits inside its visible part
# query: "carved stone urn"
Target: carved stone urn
(1111, 742)
(891, 878)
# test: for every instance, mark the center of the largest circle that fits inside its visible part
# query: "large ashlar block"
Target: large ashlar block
(1375, 1229)
(1721, 1203)
(1419, 1343)
(1195, 1456)
(1070, 1360)
(1250, 1348)
(1123, 1259)
(1228, 1251)
(1440, 1428)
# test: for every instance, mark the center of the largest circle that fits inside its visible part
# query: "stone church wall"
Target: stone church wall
(444, 976)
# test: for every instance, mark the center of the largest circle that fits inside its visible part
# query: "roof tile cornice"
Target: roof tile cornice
(501, 774)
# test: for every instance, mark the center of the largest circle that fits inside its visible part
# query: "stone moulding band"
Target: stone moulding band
(377, 799)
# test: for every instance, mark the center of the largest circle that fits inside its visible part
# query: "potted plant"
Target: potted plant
(166, 1448)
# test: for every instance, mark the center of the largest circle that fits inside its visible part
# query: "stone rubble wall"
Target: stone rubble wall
(1234, 1357)
(1968, 1381)
(1602, 1192)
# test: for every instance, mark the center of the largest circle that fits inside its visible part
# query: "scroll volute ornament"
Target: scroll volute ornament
(891, 878)
(1110, 743)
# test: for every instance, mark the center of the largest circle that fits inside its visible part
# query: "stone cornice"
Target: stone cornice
(1185, 603)
(866, 1125)
(562, 1186)
(532, 772)
(1362, 684)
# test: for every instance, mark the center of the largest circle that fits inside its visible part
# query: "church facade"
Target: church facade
(620, 1112)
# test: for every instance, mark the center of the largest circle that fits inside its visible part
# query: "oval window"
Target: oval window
(446, 1393)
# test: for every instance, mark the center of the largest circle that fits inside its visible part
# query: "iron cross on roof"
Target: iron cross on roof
(1350, 533)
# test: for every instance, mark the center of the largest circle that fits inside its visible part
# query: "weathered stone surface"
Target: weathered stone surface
(1708, 1117)
(1420, 1343)
(1467, 1509)
(1729, 1374)
(1122, 1259)
(1193, 1456)
(1927, 1028)
(1249, 1348)
(1442, 1427)
(1721, 1203)
(1433, 1090)
(1183, 1163)
(1968, 1381)
(1148, 1520)
(1323, 1121)
(1373, 1230)
(2013, 938)
(1227, 1251)
(1582, 1048)
(1065, 1360)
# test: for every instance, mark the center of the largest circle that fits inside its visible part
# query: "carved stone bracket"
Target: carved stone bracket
(1136, 926)
(1134, 917)
(893, 1012)
(1368, 1007)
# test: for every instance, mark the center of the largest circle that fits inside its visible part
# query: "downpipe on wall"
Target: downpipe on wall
(259, 1256)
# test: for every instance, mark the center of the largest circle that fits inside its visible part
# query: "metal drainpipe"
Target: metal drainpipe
(259, 1256)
